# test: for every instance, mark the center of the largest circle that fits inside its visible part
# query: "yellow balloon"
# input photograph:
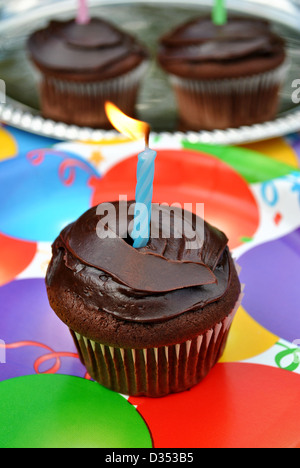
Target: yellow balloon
(108, 142)
(276, 148)
(8, 146)
(247, 338)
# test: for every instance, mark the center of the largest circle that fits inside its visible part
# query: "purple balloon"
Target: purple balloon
(271, 273)
(32, 332)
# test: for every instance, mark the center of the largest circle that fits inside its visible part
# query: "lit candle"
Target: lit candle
(145, 172)
(219, 14)
(143, 198)
(83, 16)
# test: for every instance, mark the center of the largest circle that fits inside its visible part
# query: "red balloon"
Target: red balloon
(186, 176)
(237, 405)
(15, 256)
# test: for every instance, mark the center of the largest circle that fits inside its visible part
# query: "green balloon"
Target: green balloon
(253, 166)
(60, 411)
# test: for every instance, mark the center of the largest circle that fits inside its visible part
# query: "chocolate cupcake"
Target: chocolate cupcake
(152, 321)
(82, 66)
(224, 76)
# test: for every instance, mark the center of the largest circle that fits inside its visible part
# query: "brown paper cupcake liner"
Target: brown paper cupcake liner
(155, 372)
(221, 104)
(82, 103)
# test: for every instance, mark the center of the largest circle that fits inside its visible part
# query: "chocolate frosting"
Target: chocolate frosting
(65, 46)
(153, 284)
(201, 40)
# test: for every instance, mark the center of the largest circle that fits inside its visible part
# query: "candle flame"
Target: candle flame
(132, 128)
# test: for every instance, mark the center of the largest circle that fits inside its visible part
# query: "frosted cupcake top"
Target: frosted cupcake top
(240, 47)
(152, 284)
(96, 50)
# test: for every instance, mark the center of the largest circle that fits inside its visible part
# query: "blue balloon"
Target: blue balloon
(27, 141)
(43, 191)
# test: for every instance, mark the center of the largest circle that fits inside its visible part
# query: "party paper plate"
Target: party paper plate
(251, 397)
(156, 105)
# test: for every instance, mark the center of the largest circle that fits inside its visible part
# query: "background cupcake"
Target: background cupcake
(82, 66)
(225, 75)
(148, 321)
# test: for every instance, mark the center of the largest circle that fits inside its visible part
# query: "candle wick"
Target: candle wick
(147, 137)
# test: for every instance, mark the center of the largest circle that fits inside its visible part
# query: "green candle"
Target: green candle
(219, 15)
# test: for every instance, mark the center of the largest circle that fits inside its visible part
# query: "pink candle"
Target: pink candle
(83, 16)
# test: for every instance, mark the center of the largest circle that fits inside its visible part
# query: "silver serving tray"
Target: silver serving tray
(148, 20)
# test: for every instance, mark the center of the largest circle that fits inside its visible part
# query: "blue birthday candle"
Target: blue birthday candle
(145, 172)
(143, 198)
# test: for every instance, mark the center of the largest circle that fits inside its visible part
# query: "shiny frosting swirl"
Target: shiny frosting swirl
(153, 284)
(65, 46)
(200, 40)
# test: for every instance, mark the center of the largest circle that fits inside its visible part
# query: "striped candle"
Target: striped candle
(143, 198)
(136, 129)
